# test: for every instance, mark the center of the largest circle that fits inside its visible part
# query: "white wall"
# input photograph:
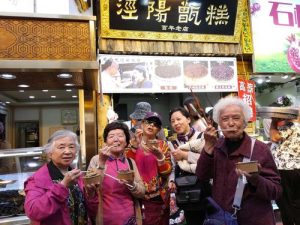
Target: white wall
(49, 118)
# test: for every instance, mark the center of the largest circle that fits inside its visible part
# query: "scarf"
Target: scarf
(186, 137)
(75, 201)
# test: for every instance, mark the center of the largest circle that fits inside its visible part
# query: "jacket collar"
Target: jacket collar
(244, 150)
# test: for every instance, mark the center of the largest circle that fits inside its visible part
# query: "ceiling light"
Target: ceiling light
(7, 102)
(284, 76)
(53, 96)
(74, 96)
(44, 90)
(31, 96)
(260, 81)
(268, 79)
(21, 90)
(8, 76)
(68, 90)
(69, 85)
(23, 85)
(64, 75)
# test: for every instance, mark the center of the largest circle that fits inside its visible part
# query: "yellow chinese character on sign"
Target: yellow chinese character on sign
(128, 10)
(188, 13)
(216, 15)
(161, 11)
(222, 15)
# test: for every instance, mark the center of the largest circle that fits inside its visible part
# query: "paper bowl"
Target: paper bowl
(91, 180)
(126, 175)
(249, 167)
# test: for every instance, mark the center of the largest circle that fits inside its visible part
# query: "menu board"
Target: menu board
(159, 74)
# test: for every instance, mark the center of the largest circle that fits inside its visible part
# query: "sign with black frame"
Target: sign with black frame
(197, 20)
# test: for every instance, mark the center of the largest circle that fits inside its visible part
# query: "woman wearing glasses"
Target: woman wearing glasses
(152, 157)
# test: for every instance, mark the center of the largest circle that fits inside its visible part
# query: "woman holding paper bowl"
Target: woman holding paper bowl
(119, 205)
(55, 194)
(248, 198)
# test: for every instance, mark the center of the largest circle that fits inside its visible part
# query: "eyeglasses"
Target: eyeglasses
(153, 123)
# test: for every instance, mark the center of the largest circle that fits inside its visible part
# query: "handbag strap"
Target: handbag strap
(241, 184)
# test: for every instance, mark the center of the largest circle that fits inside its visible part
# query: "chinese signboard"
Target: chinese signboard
(157, 74)
(247, 93)
(276, 36)
(214, 20)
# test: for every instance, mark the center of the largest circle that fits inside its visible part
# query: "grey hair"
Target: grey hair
(231, 100)
(49, 147)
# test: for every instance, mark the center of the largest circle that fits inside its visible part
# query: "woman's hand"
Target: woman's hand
(251, 177)
(71, 177)
(178, 154)
(104, 153)
(210, 137)
(156, 152)
(91, 189)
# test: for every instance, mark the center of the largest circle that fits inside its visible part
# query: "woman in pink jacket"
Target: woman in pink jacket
(55, 193)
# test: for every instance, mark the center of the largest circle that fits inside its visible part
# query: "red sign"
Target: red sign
(246, 92)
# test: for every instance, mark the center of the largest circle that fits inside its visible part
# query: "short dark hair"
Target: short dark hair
(183, 111)
(114, 126)
(107, 64)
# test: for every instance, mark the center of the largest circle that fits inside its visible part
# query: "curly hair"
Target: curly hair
(231, 100)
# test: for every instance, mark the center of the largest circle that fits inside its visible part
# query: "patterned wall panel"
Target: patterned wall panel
(45, 39)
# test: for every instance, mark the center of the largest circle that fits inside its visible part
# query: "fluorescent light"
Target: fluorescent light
(69, 85)
(74, 96)
(64, 75)
(31, 96)
(68, 90)
(53, 96)
(23, 85)
(21, 90)
(284, 76)
(7, 76)
(7, 102)
(45, 90)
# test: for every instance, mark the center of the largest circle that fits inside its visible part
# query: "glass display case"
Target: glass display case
(16, 165)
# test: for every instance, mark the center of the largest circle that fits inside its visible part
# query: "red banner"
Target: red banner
(246, 91)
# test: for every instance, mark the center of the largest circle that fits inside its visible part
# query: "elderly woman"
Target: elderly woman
(186, 152)
(219, 158)
(119, 197)
(55, 194)
(153, 160)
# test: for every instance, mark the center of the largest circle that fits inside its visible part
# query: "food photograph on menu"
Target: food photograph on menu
(194, 72)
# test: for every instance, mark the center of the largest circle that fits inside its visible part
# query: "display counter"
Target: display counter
(16, 166)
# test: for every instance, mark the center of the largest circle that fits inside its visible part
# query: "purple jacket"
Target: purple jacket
(256, 205)
(46, 202)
